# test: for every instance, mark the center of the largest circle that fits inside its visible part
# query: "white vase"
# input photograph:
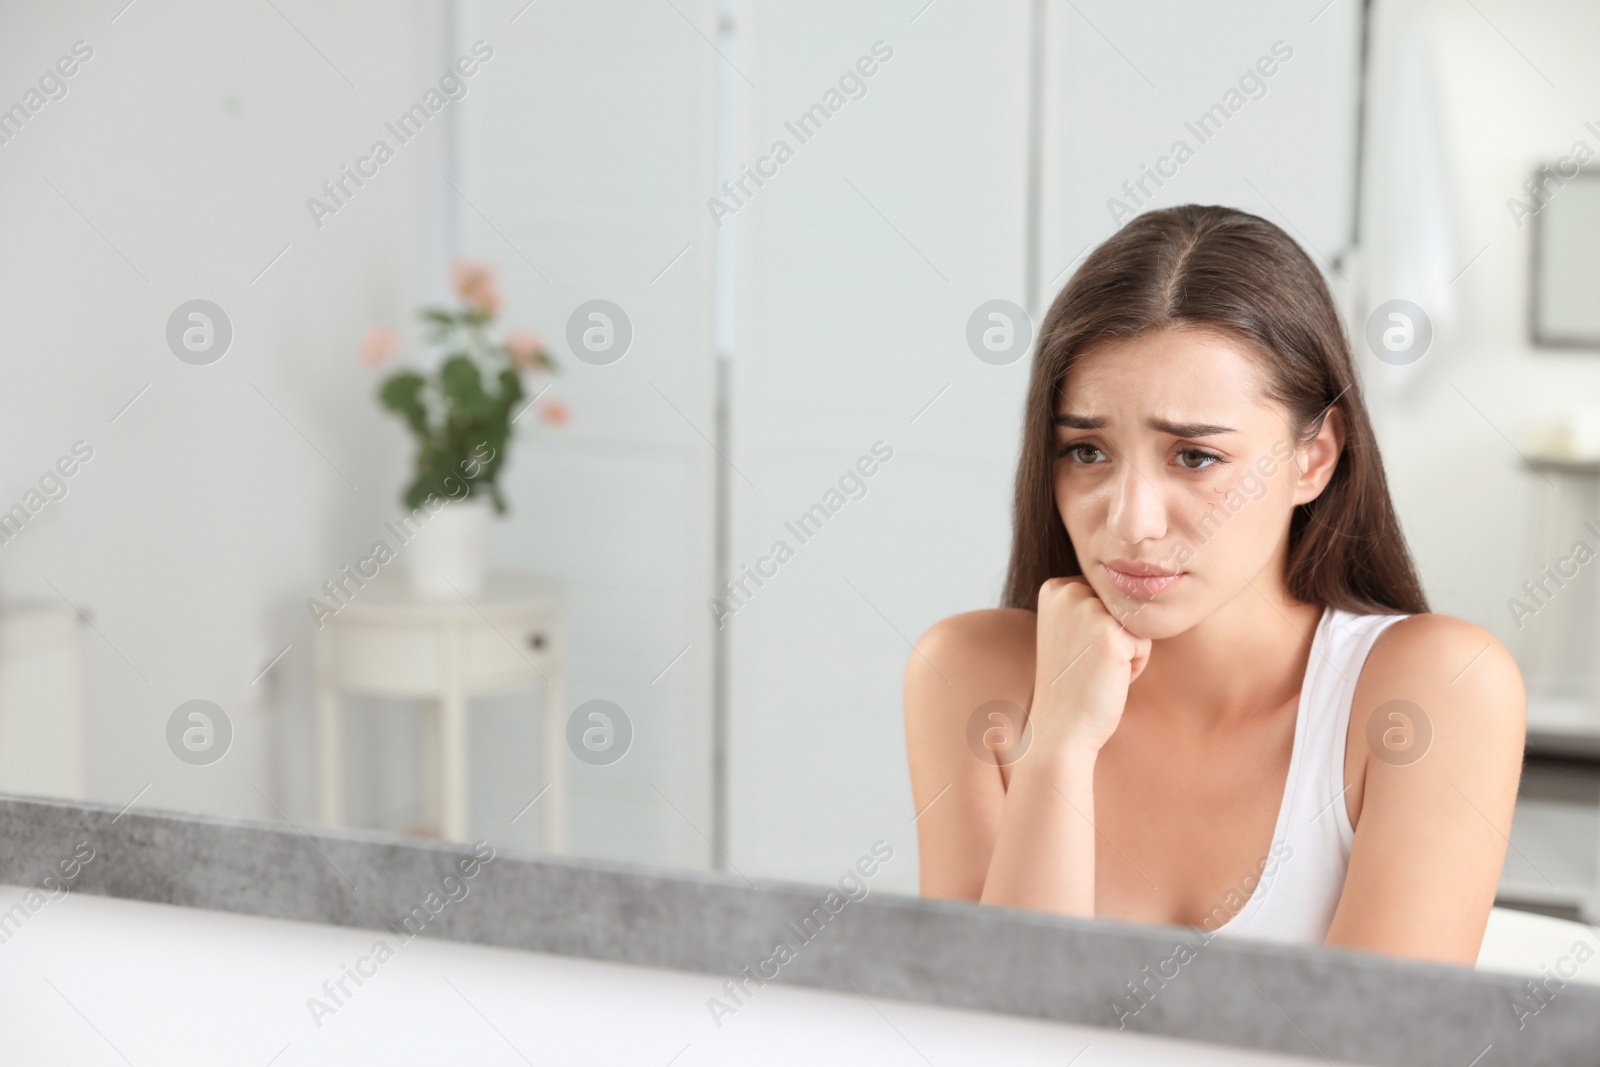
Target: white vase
(449, 557)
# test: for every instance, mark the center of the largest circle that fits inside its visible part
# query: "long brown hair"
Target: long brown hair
(1228, 271)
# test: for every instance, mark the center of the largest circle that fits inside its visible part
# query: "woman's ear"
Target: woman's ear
(1318, 457)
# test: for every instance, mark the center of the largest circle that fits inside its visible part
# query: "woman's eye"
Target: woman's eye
(1196, 459)
(1082, 453)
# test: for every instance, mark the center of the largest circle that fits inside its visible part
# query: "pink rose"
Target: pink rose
(474, 283)
(379, 346)
(524, 347)
(554, 412)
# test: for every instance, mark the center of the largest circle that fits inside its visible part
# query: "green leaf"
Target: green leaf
(462, 386)
(510, 390)
(401, 393)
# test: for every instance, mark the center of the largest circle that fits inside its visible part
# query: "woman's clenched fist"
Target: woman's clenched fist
(1085, 662)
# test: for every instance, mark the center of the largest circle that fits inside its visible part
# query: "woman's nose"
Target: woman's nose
(1138, 512)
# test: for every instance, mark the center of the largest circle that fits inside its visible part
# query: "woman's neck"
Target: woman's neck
(1246, 658)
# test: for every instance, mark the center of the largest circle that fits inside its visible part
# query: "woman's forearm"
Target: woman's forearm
(1044, 853)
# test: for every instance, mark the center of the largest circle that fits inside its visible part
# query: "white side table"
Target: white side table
(388, 642)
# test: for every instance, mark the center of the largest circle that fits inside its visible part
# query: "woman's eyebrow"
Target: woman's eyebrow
(1188, 429)
(1176, 429)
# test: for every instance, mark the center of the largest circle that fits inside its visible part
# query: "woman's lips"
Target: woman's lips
(1141, 579)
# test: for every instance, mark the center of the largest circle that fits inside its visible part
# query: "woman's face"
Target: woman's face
(1176, 476)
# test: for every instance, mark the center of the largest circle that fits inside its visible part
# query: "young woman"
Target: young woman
(1214, 696)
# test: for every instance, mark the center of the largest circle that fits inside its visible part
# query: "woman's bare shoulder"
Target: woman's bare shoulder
(1440, 710)
(1428, 650)
(1452, 669)
(987, 650)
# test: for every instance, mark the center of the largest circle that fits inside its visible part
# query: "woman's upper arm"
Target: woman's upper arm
(958, 665)
(1433, 829)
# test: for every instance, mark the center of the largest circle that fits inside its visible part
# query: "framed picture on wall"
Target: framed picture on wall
(1564, 302)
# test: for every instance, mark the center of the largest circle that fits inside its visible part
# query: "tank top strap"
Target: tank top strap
(1302, 876)
(1350, 639)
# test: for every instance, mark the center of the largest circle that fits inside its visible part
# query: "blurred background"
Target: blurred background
(210, 269)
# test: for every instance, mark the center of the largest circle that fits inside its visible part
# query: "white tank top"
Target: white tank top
(1302, 876)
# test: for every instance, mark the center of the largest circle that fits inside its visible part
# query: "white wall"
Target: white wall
(858, 265)
(1123, 88)
(1463, 496)
(588, 151)
(181, 160)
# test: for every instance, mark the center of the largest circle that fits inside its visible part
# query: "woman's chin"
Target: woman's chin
(1155, 619)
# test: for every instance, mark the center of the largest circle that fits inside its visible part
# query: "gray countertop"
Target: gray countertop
(1301, 1001)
